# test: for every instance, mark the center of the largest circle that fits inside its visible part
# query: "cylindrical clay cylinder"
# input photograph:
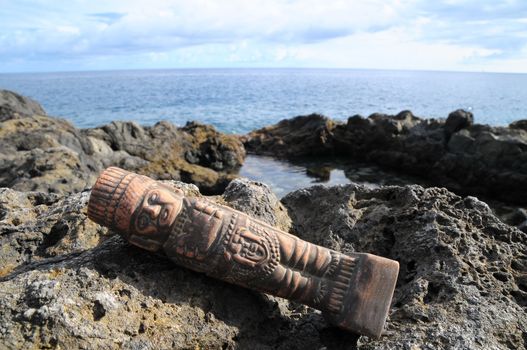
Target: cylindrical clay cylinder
(353, 291)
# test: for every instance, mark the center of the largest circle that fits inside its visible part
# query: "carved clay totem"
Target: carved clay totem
(353, 292)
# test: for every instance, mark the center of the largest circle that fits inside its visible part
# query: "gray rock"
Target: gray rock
(461, 143)
(300, 136)
(257, 199)
(71, 284)
(523, 226)
(66, 290)
(41, 153)
(462, 278)
(515, 216)
(465, 157)
(457, 120)
(13, 105)
(519, 124)
(35, 226)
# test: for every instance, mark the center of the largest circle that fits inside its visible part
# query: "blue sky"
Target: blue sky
(392, 34)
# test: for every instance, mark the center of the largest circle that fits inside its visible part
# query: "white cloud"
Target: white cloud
(169, 24)
(409, 34)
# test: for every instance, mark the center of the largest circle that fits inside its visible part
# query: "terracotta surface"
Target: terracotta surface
(354, 292)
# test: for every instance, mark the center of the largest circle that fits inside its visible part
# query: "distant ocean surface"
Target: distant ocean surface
(240, 100)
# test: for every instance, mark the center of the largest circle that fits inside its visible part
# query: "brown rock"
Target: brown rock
(212, 149)
(13, 105)
(41, 153)
(296, 137)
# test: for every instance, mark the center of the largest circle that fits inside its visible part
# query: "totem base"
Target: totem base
(368, 301)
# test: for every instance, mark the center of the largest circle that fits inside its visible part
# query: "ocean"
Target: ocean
(240, 100)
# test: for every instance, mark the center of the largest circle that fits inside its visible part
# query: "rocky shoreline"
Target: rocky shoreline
(42, 153)
(66, 282)
(467, 158)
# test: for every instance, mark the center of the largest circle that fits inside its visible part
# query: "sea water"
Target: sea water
(240, 100)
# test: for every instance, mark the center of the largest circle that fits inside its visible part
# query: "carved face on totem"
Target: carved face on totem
(153, 219)
(248, 249)
(157, 212)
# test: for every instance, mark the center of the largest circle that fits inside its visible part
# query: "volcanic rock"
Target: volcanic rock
(519, 124)
(470, 159)
(13, 105)
(300, 136)
(458, 120)
(41, 153)
(462, 283)
(69, 283)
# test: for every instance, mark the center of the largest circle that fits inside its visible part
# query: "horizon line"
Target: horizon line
(258, 68)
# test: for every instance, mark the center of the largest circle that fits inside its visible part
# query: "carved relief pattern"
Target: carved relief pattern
(231, 246)
(172, 248)
(180, 223)
(248, 253)
(251, 254)
(341, 284)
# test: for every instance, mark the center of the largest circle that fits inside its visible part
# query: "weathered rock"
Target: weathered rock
(515, 216)
(258, 199)
(463, 274)
(321, 173)
(465, 157)
(72, 285)
(458, 120)
(13, 105)
(66, 289)
(300, 136)
(35, 226)
(519, 124)
(213, 149)
(41, 153)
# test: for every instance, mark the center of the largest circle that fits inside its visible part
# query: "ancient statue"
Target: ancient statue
(353, 291)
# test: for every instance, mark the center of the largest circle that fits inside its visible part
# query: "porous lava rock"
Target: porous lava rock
(462, 283)
(42, 153)
(69, 283)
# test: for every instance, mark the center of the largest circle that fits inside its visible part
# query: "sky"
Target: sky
(452, 35)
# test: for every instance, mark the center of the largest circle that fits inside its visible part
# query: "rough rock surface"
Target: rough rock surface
(463, 278)
(257, 198)
(465, 157)
(519, 124)
(68, 283)
(41, 153)
(296, 137)
(71, 285)
(458, 120)
(12, 105)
